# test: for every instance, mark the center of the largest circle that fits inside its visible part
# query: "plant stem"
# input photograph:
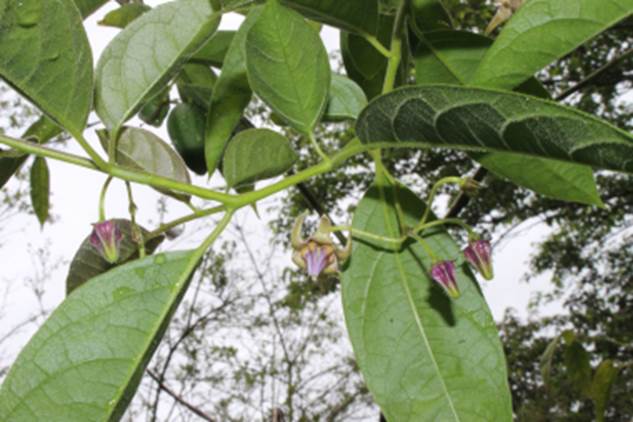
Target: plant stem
(182, 220)
(94, 156)
(102, 196)
(377, 45)
(453, 221)
(425, 246)
(396, 48)
(397, 242)
(137, 234)
(434, 189)
(317, 147)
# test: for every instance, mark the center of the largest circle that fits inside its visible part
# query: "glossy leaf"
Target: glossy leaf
(453, 57)
(40, 189)
(124, 15)
(88, 7)
(424, 356)
(186, 131)
(603, 379)
(542, 31)
(473, 118)
(346, 101)
(256, 154)
(288, 66)
(231, 95)
(214, 51)
(140, 149)
(88, 262)
(195, 84)
(351, 15)
(86, 361)
(146, 53)
(46, 56)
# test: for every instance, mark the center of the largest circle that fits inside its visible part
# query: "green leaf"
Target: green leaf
(474, 118)
(40, 189)
(124, 15)
(41, 131)
(140, 149)
(88, 7)
(231, 95)
(347, 99)
(430, 15)
(546, 359)
(146, 54)
(603, 379)
(154, 110)
(556, 179)
(424, 356)
(256, 154)
(186, 131)
(351, 15)
(542, 31)
(46, 56)
(86, 361)
(453, 57)
(195, 84)
(288, 66)
(88, 262)
(578, 366)
(214, 51)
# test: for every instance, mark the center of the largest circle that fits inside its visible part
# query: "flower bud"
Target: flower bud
(444, 273)
(479, 254)
(505, 10)
(106, 238)
(318, 255)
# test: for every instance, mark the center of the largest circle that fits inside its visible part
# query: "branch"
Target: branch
(463, 199)
(179, 399)
(595, 75)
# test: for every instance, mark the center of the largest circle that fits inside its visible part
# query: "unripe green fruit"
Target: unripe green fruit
(185, 126)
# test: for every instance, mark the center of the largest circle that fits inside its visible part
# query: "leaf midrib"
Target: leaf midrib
(403, 278)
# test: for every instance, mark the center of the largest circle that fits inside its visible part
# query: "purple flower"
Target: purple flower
(479, 254)
(106, 238)
(317, 255)
(444, 273)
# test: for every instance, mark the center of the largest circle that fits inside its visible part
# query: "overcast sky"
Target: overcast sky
(75, 196)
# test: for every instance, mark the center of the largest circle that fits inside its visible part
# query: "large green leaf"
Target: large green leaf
(474, 118)
(40, 189)
(146, 53)
(231, 95)
(256, 154)
(140, 149)
(430, 15)
(88, 262)
(346, 101)
(453, 57)
(86, 361)
(542, 31)
(424, 356)
(600, 390)
(195, 84)
(288, 66)
(46, 56)
(352, 15)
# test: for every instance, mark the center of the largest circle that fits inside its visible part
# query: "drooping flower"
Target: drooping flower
(479, 254)
(106, 238)
(318, 255)
(444, 273)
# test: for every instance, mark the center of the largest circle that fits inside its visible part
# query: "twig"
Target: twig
(463, 199)
(179, 399)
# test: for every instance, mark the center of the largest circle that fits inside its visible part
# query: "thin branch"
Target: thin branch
(197, 411)
(463, 199)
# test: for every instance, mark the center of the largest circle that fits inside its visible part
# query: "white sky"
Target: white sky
(75, 196)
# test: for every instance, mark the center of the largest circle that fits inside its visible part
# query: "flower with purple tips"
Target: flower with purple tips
(478, 253)
(106, 238)
(443, 272)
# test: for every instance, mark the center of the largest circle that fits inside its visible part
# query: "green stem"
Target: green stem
(102, 197)
(317, 147)
(94, 156)
(453, 221)
(186, 219)
(425, 246)
(137, 234)
(397, 242)
(377, 45)
(396, 48)
(434, 189)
